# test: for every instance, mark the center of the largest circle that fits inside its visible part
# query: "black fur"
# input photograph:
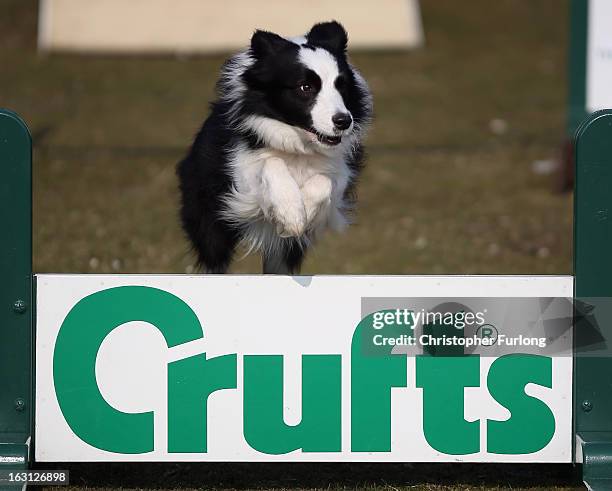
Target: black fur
(204, 178)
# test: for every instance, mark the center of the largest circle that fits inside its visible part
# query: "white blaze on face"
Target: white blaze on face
(329, 101)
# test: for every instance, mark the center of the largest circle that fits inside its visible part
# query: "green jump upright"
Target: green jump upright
(16, 304)
(593, 297)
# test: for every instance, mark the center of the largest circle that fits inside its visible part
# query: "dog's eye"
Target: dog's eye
(306, 88)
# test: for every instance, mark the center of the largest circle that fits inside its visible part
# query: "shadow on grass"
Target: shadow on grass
(320, 475)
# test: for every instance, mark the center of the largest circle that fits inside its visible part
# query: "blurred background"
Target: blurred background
(471, 109)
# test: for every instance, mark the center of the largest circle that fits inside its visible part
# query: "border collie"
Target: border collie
(276, 162)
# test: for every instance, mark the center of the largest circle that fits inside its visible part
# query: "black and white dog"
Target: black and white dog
(277, 160)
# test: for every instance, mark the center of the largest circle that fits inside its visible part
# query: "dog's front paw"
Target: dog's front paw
(290, 220)
(317, 195)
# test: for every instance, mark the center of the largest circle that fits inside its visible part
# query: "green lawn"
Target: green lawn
(332, 477)
(442, 193)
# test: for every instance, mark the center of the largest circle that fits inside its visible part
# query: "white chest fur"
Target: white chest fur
(278, 194)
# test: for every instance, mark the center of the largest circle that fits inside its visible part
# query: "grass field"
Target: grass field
(449, 186)
(336, 477)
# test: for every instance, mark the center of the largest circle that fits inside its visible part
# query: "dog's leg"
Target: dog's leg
(275, 264)
(282, 199)
(287, 261)
(215, 242)
(316, 193)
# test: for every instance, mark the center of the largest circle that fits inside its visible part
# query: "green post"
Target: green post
(16, 309)
(593, 286)
(577, 83)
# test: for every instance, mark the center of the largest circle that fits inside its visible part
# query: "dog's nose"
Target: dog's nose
(342, 120)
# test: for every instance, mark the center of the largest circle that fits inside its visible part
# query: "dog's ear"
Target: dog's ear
(329, 35)
(264, 43)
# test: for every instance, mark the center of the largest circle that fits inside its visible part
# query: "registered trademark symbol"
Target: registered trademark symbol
(488, 333)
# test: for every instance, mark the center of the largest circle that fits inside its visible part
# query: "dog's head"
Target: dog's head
(305, 83)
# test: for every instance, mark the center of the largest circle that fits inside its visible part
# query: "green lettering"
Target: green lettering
(372, 378)
(80, 336)
(532, 424)
(190, 382)
(443, 380)
(320, 427)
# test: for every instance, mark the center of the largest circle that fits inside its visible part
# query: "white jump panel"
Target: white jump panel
(194, 26)
(144, 391)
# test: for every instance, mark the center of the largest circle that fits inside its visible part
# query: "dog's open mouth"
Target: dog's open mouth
(325, 139)
(329, 140)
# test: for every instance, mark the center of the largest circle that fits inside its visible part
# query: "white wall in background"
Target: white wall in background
(599, 56)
